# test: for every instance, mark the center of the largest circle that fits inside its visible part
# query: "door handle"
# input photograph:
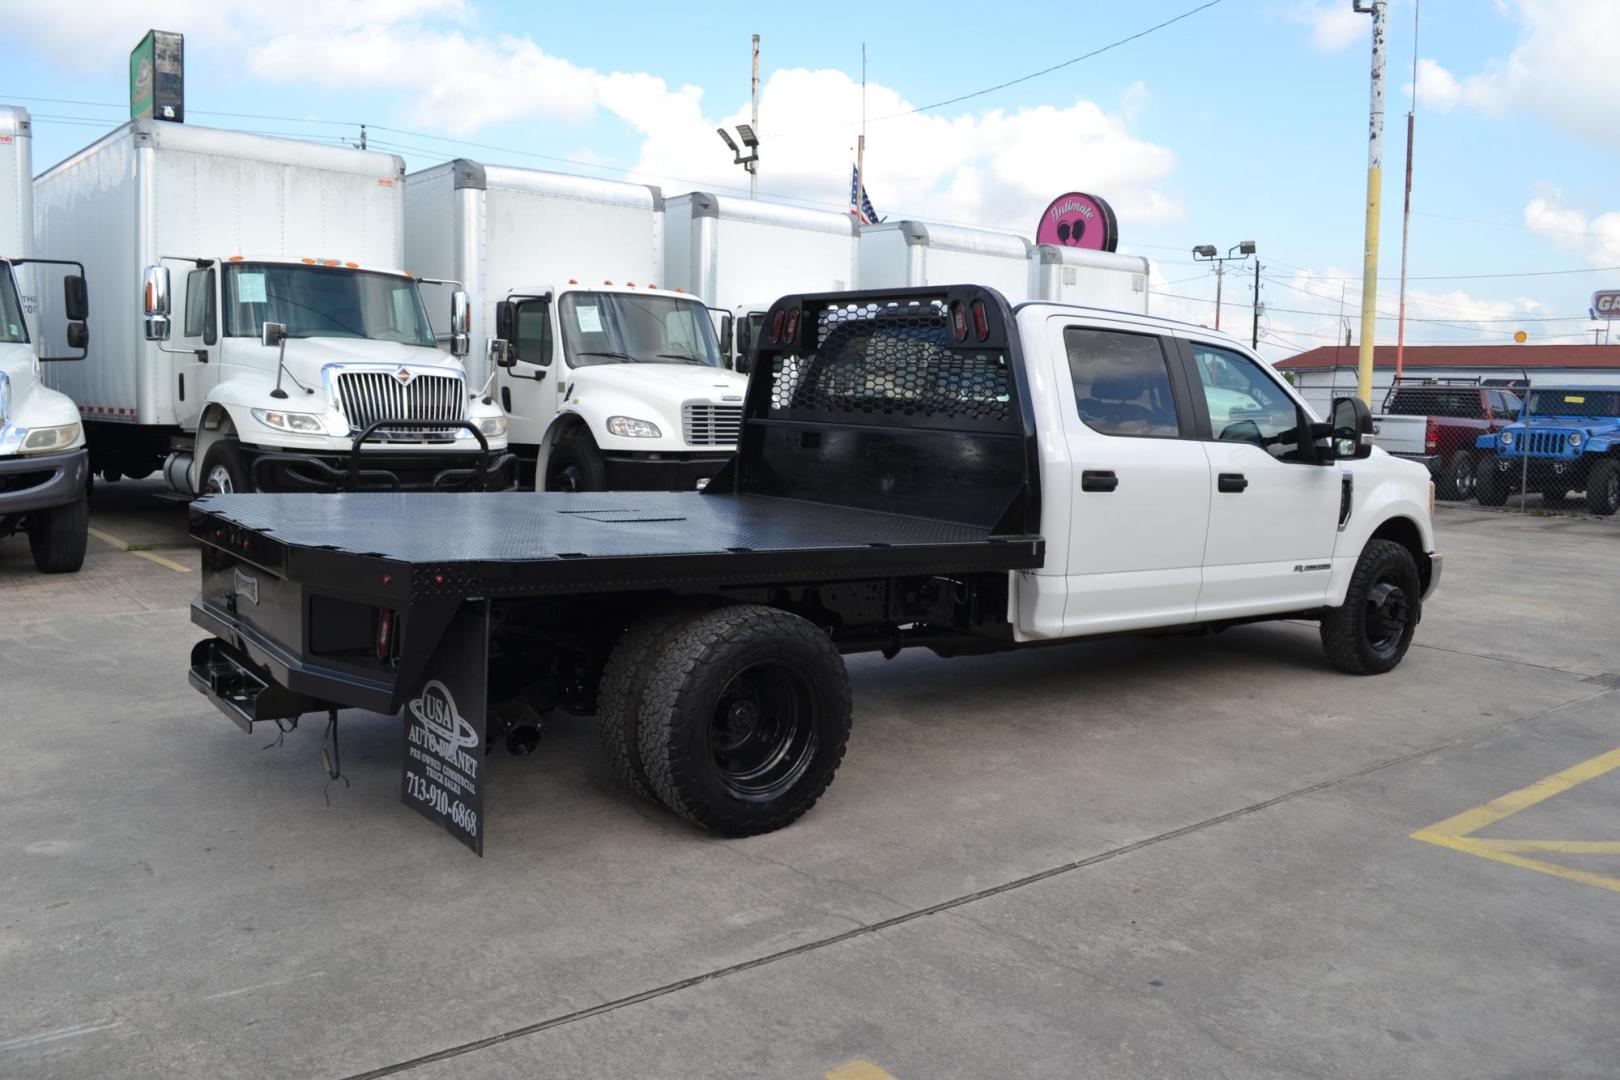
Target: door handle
(1098, 480)
(1232, 483)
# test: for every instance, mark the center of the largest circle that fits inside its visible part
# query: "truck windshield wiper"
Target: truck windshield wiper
(614, 355)
(690, 358)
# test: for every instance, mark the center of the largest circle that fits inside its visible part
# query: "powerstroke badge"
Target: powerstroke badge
(442, 771)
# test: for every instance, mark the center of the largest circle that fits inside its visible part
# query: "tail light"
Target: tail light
(1431, 435)
(958, 320)
(385, 633)
(981, 321)
(792, 330)
(776, 325)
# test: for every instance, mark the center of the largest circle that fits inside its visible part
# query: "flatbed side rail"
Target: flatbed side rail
(909, 401)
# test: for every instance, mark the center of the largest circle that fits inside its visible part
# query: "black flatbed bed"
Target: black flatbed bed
(534, 544)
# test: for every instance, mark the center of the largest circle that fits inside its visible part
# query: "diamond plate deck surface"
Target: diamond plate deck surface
(527, 526)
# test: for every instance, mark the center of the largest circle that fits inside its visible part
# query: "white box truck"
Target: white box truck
(610, 382)
(908, 254)
(1099, 279)
(302, 357)
(43, 463)
(741, 254)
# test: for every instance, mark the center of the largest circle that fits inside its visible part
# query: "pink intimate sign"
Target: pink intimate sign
(1079, 220)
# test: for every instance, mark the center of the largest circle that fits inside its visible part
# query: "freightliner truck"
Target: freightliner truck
(292, 332)
(43, 463)
(917, 468)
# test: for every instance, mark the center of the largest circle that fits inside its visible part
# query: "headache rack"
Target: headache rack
(908, 401)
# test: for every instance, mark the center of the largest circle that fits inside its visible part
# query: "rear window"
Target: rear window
(1435, 401)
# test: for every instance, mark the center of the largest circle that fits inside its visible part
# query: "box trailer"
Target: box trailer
(298, 335)
(609, 380)
(1101, 279)
(43, 463)
(740, 254)
(913, 254)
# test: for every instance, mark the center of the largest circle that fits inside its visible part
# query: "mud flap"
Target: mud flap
(442, 771)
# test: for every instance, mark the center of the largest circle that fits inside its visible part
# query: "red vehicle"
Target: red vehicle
(1454, 417)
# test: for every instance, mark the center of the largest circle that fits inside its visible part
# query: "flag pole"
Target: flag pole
(860, 147)
(1406, 213)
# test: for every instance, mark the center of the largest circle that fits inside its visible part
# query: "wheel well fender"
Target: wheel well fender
(562, 426)
(217, 423)
(1405, 532)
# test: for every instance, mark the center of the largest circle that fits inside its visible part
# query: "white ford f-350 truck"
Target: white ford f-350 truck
(256, 323)
(609, 381)
(917, 467)
(43, 464)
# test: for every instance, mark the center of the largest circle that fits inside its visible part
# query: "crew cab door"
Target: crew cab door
(195, 338)
(1274, 512)
(1141, 497)
(528, 389)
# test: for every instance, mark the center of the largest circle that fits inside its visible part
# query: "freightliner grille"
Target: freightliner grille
(711, 425)
(370, 396)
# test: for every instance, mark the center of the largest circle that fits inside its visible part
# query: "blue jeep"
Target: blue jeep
(1567, 439)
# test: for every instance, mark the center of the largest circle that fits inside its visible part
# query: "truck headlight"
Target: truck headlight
(298, 422)
(1506, 438)
(42, 440)
(493, 426)
(630, 428)
(1575, 440)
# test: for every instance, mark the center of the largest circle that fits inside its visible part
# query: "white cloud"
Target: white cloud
(1333, 24)
(1562, 67)
(1596, 238)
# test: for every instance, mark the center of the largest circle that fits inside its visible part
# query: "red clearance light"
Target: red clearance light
(981, 321)
(776, 325)
(573, 281)
(385, 633)
(792, 325)
(958, 320)
(234, 258)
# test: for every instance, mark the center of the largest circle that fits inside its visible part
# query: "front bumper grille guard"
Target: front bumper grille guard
(355, 478)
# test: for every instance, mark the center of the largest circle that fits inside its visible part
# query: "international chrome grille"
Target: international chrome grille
(711, 425)
(370, 396)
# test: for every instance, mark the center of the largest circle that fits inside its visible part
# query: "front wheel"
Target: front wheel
(1457, 480)
(745, 718)
(575, 464)
(57, 537)
(222, 470)
(1490, 486)
(1370, 632)
(1603, 487)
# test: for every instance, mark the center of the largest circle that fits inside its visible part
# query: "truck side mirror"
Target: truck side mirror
(75, 298)
(272, 334)
(460, 322)
(1350, 436)
(505, 319)
(723, 331)
(157, 303)
(78, 336)
(499, 353)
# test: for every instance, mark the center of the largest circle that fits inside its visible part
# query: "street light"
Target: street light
(751, 162)
(1208, 253)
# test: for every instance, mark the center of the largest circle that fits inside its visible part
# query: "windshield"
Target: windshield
(321, 301)
(1594, 404)
(13, 331)
(623, 328)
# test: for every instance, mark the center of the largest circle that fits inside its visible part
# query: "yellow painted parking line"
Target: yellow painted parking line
(859, 1070)
(167, 564)
(1457, 832)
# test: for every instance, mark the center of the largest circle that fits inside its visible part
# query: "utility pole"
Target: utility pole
(753, 173)
(1254, 339)
(1378, 9)
(1406, 210)
(860, 146)
(1208, 253)
(362, 136)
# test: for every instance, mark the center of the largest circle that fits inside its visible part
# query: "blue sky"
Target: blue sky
(1243, 121)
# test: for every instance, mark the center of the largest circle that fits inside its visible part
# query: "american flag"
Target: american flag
(860, 203)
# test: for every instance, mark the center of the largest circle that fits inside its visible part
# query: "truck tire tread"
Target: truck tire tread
(688, 670)
(1601, 493)
(57, 537)
(1343, 637)
(624, 684)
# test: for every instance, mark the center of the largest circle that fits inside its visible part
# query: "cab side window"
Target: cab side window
(534, 333)
(1121, 383)
(1246, 404)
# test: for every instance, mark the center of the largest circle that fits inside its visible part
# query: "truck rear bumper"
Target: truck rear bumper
(41, 481)
(647, 472)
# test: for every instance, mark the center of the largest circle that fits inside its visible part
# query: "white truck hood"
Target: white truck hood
(31, 403)
(651, 392)
(307, 356)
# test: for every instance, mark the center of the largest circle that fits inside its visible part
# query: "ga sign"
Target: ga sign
(1606, 304)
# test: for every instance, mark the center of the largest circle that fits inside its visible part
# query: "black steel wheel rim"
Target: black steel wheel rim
(1387, 613)
(762, 731)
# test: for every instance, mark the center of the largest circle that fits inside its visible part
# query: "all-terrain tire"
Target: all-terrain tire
(223, 471)
(1490, 487)
(57, 537)
(697, 742)
(624, 684)
(1370, 632)
(575, 464)
(1457, 478)
(1603, 487)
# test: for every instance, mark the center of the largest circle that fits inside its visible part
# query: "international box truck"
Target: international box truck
(298, 354)
(741, 254)
(610, 381)
(43, 463)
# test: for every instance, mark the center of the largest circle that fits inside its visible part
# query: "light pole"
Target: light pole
(745, 132)
(1375, 183)
(1208, 253)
